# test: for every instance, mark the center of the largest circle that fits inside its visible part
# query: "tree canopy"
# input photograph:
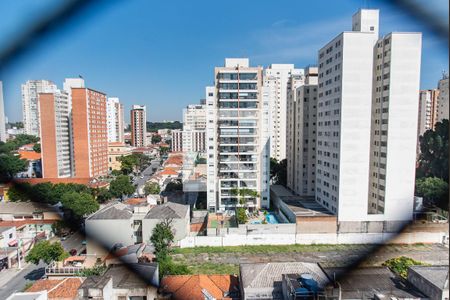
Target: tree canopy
(151, 188)
(433, 158)
(162, 238)
(278, 171)
(17, 142)
(134, 163)
(47, 252)
(10, 165)
(121, 185)
(433, 189)
(80, 204)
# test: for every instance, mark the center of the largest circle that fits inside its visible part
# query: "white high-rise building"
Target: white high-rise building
(56, 152)
(238, 136)
(427, 110)
(177, 140)
(277, 80)
(194, 128)
(301, 133)
(442, 109)
(30, 92)
(368, 91)
(2, 116)
(114, 115)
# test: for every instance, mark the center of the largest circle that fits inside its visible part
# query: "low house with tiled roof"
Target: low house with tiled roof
(34, 168)
(128, 224)
(58, 289)
(133, 281)
(200, 287)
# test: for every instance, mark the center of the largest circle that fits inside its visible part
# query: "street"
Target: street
(14, 280)
(146, 174)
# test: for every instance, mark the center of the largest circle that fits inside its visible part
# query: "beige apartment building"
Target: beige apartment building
(115, 151)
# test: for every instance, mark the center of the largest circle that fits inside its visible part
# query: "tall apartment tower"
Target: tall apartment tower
(277, 80)
(177, 140)
(368, 92)
(301, 134)
(194, 128)
(54, 120)
(138, 125)
(442, 109)
(115, 120)
(30, 92)
(2, 116)
(238, 136)
(427, 110)
(89, 133)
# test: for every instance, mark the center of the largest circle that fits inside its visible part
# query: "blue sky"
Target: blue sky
(162, 53)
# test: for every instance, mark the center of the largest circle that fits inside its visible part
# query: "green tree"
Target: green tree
(162, 239)
(47, 252)
(102, 195)
(80, 204)
(242, 193)
(433, 158)
(173, 186)
(433, 189)
(278, 171)
(241, 215)
(163, 150)
(10, 165)
(151, 188)
(20, 192)
(121, 186)
(156, 139)
(37, 147)
(17, 142)
(128, 164)
(133, 163)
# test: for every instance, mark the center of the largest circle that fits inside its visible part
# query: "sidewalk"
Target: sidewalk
(8, 274)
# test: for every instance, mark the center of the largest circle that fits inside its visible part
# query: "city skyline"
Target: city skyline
(297, 37)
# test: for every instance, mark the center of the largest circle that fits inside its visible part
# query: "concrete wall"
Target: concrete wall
(106, 233)
(316, 224)
(426, 287)
(308, 239)
(180, 227)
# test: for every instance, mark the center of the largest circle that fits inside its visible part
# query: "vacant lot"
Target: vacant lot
(226, 260)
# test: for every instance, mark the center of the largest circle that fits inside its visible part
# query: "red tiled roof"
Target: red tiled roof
(21, 223)
(135, 201)
(191, 286)
(29, 155)
(58, 288)
(169, 171)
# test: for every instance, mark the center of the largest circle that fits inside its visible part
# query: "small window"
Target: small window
(372, 28)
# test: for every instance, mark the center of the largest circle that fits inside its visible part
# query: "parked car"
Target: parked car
(73, 252)
(83, 243)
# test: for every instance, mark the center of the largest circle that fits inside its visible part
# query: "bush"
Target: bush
(400, 265)
(241, 216)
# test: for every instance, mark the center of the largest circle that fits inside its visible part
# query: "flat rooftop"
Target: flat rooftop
(301, 206)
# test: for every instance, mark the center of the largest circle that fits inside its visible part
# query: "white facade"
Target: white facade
(277, 80)
(114, 116)
(2, 116)
(62, 114)
(237, 135)
(427, 110)
(194, 128)
(30, 93)
(442, 110)
(177, 140)
(301, 134)
(367, 122)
